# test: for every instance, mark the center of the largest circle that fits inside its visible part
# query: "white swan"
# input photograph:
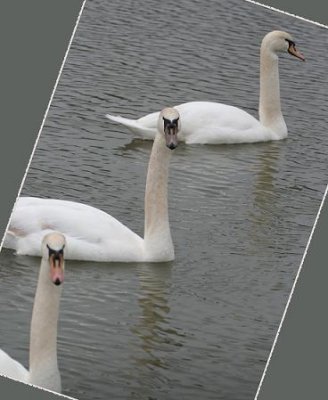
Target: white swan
(92, 234)
(43, 369)
(215, 123)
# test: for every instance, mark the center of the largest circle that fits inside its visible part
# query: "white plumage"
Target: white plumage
(12, 368)
(43, 370)
(205, 123)
(216, 123)
(94, 235)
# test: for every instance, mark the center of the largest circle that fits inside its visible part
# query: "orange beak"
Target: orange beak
(56, 268)
(294, 52)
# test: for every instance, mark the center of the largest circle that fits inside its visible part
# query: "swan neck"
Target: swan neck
(43, 335)
(157, 229)
(270, 108)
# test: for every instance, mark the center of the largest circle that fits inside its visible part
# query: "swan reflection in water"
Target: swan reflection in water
(156, 337)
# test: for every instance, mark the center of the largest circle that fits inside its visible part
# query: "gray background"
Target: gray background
(35, 35)
(315, 10)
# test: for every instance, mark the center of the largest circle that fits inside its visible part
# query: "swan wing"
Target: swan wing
(91, 234)
(217, 123)
(12, 368)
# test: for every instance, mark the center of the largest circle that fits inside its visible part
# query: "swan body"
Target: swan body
(89, 231)
(216, 123)
(206, 122)
(92, 234)
(12, 368)
(43, 369)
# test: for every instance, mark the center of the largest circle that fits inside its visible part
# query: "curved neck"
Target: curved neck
(43, 335)
(270, 107)
(157, 236)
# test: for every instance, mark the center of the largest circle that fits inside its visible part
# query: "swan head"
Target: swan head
(53, 245)
(280, 41)
(169, 125)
